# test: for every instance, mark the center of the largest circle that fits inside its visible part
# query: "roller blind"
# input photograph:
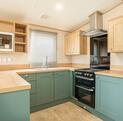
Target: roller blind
(42, 48)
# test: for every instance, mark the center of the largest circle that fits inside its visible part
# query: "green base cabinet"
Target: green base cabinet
(45, 88)
(32, 79)
(62, 85)
(109, 97)
(14, 106)
(49, 87)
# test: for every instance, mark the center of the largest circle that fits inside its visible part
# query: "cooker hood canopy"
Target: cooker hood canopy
(96, 25)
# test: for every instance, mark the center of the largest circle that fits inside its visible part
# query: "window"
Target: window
(42, 49)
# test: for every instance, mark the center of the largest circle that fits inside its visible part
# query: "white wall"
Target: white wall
(16, 58)
(13, 58)
(116, 58)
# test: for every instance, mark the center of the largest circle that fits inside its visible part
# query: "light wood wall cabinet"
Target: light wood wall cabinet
(75, 44)
(115, 35)
(18, 40)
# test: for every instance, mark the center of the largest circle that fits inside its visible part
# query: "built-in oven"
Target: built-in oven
(85, 87)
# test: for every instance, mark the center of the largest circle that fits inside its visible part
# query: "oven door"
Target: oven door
(86, 82)
(85, 95)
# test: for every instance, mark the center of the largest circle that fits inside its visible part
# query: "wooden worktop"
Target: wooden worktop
(10, 80)
(26, 71)
(111, 73)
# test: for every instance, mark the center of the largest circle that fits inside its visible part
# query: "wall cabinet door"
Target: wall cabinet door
(75, 44)
(115, 35)
(45, 88)
(62, 85)
(109, 97)
(69, 44)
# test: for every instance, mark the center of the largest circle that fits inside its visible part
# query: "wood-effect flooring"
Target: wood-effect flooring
(63, 112)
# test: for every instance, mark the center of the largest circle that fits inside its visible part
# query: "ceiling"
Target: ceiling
(71, 13)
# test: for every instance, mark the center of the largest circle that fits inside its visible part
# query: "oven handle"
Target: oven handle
(90, 90)
(80, 77)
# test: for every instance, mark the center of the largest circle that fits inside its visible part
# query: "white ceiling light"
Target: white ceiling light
(59, 6)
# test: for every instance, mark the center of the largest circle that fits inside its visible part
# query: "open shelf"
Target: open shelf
(20, 34)
(20, 48)
(20, 28)
(20, 37)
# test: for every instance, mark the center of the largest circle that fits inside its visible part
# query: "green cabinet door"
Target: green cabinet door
(62, 85)
(31, 78)
(72, 83)
(45, 88)
(109, 97)
(14, 106)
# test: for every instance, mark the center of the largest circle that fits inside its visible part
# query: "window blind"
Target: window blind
(42, 49)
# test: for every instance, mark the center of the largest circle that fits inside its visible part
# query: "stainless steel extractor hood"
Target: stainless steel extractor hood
(96, 25)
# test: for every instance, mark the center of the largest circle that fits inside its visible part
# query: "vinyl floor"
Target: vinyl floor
(63, 112)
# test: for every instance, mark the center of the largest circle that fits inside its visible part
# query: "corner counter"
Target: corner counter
(10, 81)
(112, 73)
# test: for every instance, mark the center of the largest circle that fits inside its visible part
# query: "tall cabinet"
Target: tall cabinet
(115, 35)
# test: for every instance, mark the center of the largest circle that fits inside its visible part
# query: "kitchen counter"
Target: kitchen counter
(111, 73)
(10, 80)
(26, 71)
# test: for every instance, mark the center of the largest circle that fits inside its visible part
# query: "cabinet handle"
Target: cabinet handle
(26, 75)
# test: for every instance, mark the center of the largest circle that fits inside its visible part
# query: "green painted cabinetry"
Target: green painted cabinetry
(49, 87)
(32, 79)
(14, 106)
(109, 97)
(62, 85)
(45, 88)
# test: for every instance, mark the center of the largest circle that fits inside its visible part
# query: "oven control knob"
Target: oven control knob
(85, 74)
(90, 75)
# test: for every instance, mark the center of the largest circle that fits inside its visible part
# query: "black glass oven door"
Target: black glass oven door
(85, 95)
(84, 81)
